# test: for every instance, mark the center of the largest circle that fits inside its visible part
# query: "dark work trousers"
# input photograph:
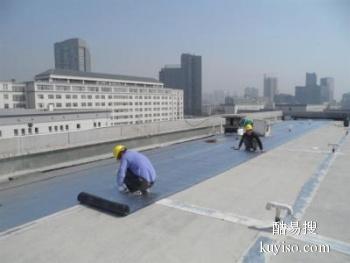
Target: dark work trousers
(250, 144)
(136, 183)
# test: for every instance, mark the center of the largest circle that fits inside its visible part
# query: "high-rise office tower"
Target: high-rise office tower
(311, 79)
(270, 88)
(72, 54)
(171, 76)
(301, 94)
(312, 93)
(187, 77)
(327, 89)
(345, 102)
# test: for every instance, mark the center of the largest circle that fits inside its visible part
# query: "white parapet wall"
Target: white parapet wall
(23, 155)
(19, 146)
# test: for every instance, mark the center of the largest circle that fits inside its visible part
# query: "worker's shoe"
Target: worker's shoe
(136, 193)
(145, 192)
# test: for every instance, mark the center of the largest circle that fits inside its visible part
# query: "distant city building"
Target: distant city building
(12, 95)
(187, 77)
(312, 93)
(270, 88)
(301, 94)
(229, 100)
(131, 100)
(284, 99)
(313, 90)
(308, 94)
(192, 67)
(345, 102)
(310, 79)
(72, 54)
(172, 76)
(20, 122)
(251, 92)
(217, 109)
(327, 89)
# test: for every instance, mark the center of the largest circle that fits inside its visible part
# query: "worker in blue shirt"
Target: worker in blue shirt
(136, 174)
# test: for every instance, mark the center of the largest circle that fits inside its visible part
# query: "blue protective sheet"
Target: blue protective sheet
(178, 166)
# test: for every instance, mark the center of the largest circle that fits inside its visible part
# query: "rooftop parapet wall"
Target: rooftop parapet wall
(265, 115)
(22, 155)
(64, 150)
(19, 146)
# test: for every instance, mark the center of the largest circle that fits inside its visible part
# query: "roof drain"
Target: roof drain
(279, 208)
(334, 146)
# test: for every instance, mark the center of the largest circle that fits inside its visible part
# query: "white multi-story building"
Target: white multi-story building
(12, 95)
(20, 122)
(132, 100)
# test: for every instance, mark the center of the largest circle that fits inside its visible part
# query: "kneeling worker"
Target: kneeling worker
(251, 140)
(135, 173)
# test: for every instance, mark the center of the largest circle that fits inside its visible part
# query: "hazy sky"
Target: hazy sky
(239, 40)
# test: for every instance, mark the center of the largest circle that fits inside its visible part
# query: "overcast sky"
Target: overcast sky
(239, 41)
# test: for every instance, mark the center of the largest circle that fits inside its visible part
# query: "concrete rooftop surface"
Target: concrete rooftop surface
(208, 204)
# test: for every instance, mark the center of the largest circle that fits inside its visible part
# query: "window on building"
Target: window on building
(6, 96)
(40, 96)
(30, 131)
(58, 96)
(36, 130)
(78, 126)
(68, 104)
(61, 127)
(56, 128)
(99, 124)
(23, 131)
(67, 127)
(83, 96)
(102, 96)
(75, 104)
(15, 132)
(19, 105)
(75, 96)
(50, 128)
(68, 96)
(97, 96)
(94, 124)
(0, 133)
(89, 96)
(6, 106)
(50, 96)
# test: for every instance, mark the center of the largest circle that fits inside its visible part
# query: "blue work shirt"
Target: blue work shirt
(138, 165)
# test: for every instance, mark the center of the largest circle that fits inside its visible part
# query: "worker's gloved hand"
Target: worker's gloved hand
(123, 188)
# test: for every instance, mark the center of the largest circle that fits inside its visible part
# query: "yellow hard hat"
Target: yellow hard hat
(118, 149)
(248, 127)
